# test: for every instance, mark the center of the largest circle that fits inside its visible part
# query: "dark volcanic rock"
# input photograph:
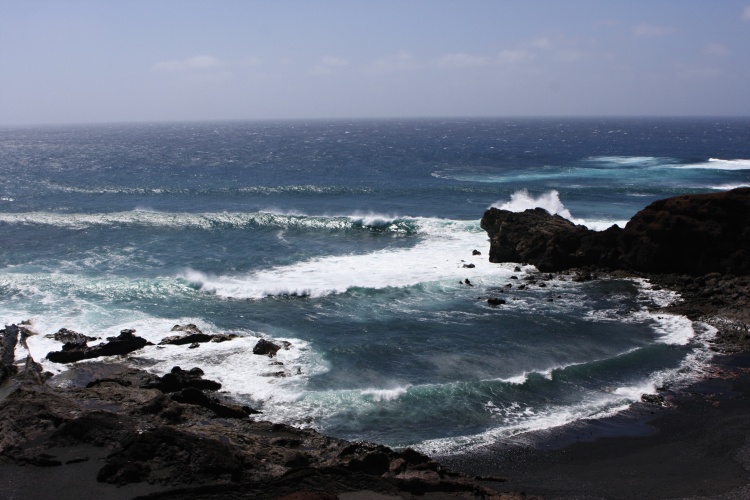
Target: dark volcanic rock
(124, 343)
(193, 335)
(179, 379)
(70, 337)
(690, 234)
(267, 348)
(8, 342)
(190, 445)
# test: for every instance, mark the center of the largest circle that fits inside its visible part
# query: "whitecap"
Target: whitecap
(719, 164)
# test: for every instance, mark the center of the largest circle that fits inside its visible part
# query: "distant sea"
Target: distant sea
(352, 240)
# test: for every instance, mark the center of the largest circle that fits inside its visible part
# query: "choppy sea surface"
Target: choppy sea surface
(349, 239)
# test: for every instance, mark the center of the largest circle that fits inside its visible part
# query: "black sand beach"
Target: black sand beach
(696, 446)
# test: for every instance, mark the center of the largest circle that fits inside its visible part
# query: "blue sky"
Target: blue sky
(166, 60)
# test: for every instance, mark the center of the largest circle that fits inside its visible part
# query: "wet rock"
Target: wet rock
(656, 399)
(8, 341)
(179, 379)
(70, 337)
(267, 348)
(469, 266)
(493, 301)
(124, 343)
(476, 252)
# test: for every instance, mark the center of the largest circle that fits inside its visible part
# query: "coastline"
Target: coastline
(695, 443)
(692, 442)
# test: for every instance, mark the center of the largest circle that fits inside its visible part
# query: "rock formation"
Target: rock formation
(689, 234)
(114, 431)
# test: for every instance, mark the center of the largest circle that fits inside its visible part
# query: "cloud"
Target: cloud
(698, 72)
(746, 13)
(200, 62)
(401, 61)
(461, 61)
(514, 56)
(645, 30)
(715, 49)
(328, 64)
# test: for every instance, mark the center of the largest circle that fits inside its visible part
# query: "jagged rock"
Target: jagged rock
(657, 399)
(267, 348)
(193, 396)
(70, 337)
(189, 328)
(124, 343)
(179, 379)
(8, 342)
(689, 234)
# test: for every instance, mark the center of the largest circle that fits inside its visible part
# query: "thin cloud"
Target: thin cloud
(645, 30)
(401, 61)
(200, 62)
(462, 61)
(746, 13)
(328, 64)
(715, 49)
(515, 56)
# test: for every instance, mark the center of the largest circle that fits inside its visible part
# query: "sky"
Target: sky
(107, 61)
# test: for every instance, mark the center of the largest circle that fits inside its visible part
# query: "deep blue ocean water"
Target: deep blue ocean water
(349, 240)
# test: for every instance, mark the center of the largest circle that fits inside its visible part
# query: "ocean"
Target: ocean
(352, 241)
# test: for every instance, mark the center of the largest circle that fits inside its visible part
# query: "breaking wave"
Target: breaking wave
(220, 220)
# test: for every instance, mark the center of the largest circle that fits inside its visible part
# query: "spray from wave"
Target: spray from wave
(550, 201)
(522, 200)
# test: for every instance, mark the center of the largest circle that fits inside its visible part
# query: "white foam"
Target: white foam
(632, 161)
(550, 201)
(718, 164)
(727, 187)
(208, 220)
(386, 394)
(439, 256)
(522, 200)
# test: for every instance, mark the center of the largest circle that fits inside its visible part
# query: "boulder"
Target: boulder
(267, 348)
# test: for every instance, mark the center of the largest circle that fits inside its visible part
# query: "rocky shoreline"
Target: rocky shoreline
(686, 442)
(106, 429)
(111, 430)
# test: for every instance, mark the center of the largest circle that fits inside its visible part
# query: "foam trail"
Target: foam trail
(718, 164)
(142, 217)
(440, 255)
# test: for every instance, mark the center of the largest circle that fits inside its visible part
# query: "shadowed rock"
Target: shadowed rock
(690, 234)
(124, 343)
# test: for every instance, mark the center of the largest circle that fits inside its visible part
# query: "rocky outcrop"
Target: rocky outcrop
(267, 348)
(124, 343)
(8, 342)
(690, 234)
(193, 335)
(112, 426)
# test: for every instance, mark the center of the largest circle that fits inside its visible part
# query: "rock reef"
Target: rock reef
(691, 234)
